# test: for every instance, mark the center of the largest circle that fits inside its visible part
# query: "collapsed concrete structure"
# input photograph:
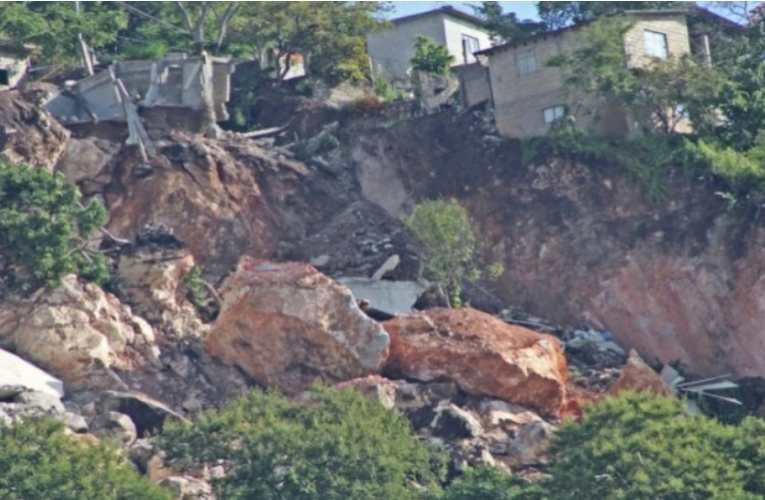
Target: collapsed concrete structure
(14, 65)
(115, 94)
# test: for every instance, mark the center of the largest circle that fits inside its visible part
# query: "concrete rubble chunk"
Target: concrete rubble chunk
(115, 426)
(148, 415)
(287, 325)
(15, 373)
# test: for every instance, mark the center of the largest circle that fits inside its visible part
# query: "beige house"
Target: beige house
(391, 49)
(528, 95)
(14, 64)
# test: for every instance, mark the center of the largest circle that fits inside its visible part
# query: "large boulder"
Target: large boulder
(636, 375)
(287, 325)
(29, 134)
(482, 354)
(77, 332)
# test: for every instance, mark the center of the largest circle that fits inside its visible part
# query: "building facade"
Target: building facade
(528, 95)
(391, 49)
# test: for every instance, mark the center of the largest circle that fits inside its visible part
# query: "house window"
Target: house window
(525, 62)
(5, 77)
(656, 44)
(470, 46)
(554, 113)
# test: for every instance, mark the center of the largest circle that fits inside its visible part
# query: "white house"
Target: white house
(391, 49)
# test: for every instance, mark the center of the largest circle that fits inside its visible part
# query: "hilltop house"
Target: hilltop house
(528, 95)
(391, 49)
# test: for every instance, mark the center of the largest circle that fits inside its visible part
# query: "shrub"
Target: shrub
(447, 246)
(744, 173)
(38, 460)
(44, 228)
(340, 446)
(429, 57)
(643, 446)
(489, 483)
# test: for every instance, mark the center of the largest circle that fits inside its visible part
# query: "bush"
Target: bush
(44, 228)
(643, 446)
(447, 246)
(489, 483)
(38, 461)
(744, 173)
(340, 446)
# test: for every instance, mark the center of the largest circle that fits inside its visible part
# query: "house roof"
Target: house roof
(638, 13)
(446, 10)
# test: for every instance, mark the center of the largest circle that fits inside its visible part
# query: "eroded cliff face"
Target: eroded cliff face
(679, 279)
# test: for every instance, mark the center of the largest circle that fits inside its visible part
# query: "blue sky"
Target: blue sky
(524, 10)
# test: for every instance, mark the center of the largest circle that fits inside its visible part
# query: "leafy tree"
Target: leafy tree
(447, 246)
(54, 27)
(644, 446)
(430, 57)
(328, 37)
(341, 446)
(561, 14)
(489, 483)
(504, 26)
(44, 228)
(38, 460)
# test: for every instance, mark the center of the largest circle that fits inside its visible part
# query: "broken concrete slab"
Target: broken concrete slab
(394, 297)
(14, 371)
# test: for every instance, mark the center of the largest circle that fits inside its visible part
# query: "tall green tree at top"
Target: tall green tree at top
(557, 15)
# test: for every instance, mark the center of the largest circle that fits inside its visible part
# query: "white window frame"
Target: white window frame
(468, 40)
(526, 62)
(656, 44)
(553, 113)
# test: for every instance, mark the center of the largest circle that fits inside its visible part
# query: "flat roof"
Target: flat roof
(446, 10)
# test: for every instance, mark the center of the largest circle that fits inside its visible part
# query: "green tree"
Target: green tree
(340, 446)
(54, 28)
(38, 460)
(489, 483)
(44, 228)
(504, 26)
(560, 14)
(447, 246)
(328, 37)
(430, 57)
(643, 446)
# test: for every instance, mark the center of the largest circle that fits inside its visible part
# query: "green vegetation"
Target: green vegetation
(557, 14)
(489, 483)
(44, 228)
(447, 246)
(430, 57)
(341, 446)
(38, 460)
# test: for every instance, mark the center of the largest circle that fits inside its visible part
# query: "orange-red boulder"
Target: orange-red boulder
(636, 375)
(482, 354)
(287, 325)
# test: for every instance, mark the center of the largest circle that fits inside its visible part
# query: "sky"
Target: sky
(524, 10)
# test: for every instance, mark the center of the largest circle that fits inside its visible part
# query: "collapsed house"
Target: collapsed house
(116, 94)
(14, 65)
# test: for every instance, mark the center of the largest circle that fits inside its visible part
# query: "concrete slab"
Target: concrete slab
(395, 297)
(14, 371)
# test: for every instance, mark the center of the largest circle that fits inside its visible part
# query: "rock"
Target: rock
(15, 373)
(140, 453)
(636, 375)
(452, 422)
(388, 266)
(320, 261)
(75, 423)
(28, 134)
(375, 387)
(287, 325)
(84, 159)
(147, 414)
(531, 442)
(40, 402)
(115, 426)
(77, 332)
(505, 415)
(482, 354)
(187, 488)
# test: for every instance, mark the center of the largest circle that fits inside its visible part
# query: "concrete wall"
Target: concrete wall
(15, 69)
(474, 84)
(391, 49)
(520, 100)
